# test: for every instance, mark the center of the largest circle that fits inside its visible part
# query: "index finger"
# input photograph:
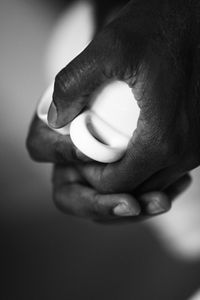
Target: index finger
(46, 145)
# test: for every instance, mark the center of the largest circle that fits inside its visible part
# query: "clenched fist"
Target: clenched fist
(153, 46)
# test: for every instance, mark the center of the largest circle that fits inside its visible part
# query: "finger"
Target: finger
(156, 203)
(81, 201)
(45, 145)
(153, 203)
(103, 60)
(74, 85)
(73, 197)
(160, 180)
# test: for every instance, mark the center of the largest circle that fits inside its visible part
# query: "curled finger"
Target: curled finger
(73, 196)
(46, 145)
(153, 203)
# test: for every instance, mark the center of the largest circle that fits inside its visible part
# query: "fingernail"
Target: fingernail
(158, 205)
(52, 115)
(123, 209)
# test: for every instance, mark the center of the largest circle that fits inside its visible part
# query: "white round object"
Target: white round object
(115, 104)
(104, 132)
(105, 129)
(88, 144)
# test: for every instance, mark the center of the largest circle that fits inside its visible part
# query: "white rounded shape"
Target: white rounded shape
(107, 133)
(84, 140)
(104, 131)
(115, 104)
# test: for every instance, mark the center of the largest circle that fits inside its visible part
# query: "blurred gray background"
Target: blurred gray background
(47, 255)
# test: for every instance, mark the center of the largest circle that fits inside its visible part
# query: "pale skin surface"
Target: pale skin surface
(153, 46)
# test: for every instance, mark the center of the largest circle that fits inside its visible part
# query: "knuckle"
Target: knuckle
(99, 208)
(97, 205)
(108, 187)
(111, 179)
(102, 184)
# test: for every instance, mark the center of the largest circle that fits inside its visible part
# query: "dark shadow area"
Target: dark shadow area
(64, 258)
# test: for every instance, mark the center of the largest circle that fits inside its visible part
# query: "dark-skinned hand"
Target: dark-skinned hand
(154, 47)
(73, 193)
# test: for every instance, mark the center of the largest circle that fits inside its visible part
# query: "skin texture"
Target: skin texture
(154, 47)
(73, 193)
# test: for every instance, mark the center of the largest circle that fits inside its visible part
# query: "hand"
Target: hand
(73, 194)
(154, 46)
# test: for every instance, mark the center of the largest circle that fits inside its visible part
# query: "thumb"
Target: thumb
(74, 85)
